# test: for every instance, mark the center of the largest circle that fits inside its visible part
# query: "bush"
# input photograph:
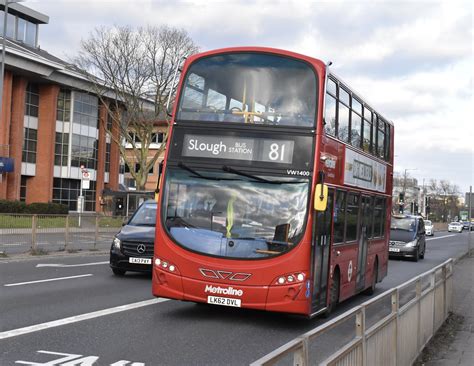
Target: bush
(46, 209)
(12, 206)
(33, 208)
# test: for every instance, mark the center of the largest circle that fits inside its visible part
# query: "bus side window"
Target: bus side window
(356, 123)
(330, 115)
(339, 216)
(352, 216)
(367, 139)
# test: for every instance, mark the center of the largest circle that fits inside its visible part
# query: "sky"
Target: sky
(412, 60)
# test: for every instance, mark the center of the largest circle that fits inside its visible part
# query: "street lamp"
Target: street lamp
(4, 35)
(405, 185)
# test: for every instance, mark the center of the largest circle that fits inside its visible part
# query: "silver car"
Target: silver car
(455, 226)
(429, 228)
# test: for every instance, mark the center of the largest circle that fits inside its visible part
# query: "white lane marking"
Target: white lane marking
(47, 280)
(440, 237)
(70, 265)
(78, 318)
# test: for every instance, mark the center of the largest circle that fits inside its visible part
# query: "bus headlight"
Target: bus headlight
(166, 266)
(290, 278)
(117, 243)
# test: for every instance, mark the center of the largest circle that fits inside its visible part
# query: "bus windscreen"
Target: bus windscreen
(234, 215)
(250, 88)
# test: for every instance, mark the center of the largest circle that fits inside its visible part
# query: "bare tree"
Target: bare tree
(444, 199)
(131, 72)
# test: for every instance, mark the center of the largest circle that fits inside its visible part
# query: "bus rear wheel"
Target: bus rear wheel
(371, 290)
(333, 293)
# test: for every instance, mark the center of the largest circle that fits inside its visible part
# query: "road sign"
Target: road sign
(85, 181)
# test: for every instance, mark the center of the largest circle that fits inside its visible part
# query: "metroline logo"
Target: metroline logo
(223, 291)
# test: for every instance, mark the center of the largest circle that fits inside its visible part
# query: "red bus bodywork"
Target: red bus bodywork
(195, 276)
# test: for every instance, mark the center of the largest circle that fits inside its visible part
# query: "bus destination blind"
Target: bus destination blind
(238, 148)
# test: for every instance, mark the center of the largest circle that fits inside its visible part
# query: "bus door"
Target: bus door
(322, 225)
(364, 230)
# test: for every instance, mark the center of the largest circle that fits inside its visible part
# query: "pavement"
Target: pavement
(459, 330)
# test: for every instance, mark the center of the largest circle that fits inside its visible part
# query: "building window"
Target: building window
(23, 188)
(64, 106)
(66, 191)
(19, 29)
(108, 147)
(130, 183)
(30, 35)
(157, 138)
(30, 139)
(61, 148)
(86, 109)
(84, 151)
(32, 100)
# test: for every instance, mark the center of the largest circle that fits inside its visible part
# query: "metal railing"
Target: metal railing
(20, 233)
(390, 329)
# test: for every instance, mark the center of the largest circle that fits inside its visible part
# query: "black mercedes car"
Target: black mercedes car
(407, 237)
(132, 248)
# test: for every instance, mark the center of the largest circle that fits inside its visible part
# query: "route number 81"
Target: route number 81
(277, 153)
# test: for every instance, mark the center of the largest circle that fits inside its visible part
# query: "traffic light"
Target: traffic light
(401, 202)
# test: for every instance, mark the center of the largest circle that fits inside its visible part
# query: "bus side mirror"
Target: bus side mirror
(321, 197)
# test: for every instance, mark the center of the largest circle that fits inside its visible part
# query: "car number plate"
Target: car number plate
(394, 249)
(225, 301)
(140, 260)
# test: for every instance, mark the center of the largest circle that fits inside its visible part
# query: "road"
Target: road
(125, 325)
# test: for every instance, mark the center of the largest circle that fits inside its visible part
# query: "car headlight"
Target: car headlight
(117, 243)
(411, 244)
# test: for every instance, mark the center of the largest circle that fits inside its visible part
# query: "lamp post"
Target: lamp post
(405, 186)
(4, 35)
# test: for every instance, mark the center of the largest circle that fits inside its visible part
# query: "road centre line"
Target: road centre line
(440, 237)
(47, 280)
(70, 265)
(77, 318)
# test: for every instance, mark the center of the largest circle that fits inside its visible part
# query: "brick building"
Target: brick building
(49, 123)
(160, 130)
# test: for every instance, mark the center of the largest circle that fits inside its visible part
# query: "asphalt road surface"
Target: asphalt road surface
(71, 310)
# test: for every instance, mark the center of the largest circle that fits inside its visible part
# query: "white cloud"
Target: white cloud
(411, 60)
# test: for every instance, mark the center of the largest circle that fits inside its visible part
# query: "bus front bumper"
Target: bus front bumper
(292, 298)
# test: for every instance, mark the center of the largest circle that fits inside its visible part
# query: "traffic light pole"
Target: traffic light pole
(469, 240)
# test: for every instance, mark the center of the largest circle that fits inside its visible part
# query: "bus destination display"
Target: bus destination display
(238, 148)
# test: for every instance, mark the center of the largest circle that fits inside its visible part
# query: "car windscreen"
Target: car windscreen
(234, 216)
(250, 88)
(145, 215)
(428, 223)
(402, 229)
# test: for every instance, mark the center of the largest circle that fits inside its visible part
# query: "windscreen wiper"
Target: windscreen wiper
(195, 173)
(258, 179)
(228, 169)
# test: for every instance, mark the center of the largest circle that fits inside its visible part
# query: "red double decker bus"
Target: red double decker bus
(276, 187)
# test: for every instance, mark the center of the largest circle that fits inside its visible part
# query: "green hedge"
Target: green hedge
(33, 208)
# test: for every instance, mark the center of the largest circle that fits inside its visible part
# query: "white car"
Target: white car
(429, 228)
(455, 226)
